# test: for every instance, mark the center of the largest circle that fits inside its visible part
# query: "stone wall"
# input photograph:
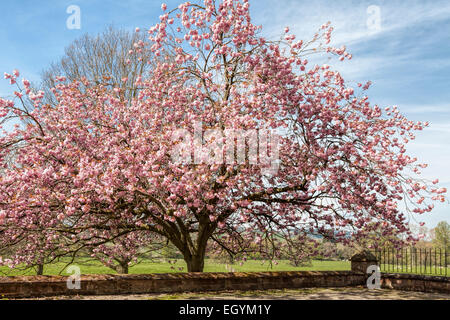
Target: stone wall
(414, 282)
(35, 286)
(32, 286)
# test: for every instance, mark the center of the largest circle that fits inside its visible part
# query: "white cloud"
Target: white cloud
(375, 55)
(349, 19)
(428, 109)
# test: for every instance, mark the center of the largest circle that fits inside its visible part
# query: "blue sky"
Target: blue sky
(406, 54)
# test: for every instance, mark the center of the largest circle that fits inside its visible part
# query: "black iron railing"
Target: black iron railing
(427, 261)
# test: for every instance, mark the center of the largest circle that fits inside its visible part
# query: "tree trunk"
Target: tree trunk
(195, 263)
(194, 255)
(122, 268)
(40, 270)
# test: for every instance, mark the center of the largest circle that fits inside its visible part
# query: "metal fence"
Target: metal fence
(414, 260)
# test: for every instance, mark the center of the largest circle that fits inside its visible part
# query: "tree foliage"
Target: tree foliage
(442, 235)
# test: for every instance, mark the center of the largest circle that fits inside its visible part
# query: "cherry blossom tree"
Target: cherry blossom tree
(126, 251)
(319, 158)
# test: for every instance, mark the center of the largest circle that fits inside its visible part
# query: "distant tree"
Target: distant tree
(424, 236)
(114, 57)
(169, 252)
(442, 235)
(345, 252)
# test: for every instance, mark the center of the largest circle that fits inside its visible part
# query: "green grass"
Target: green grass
(88, 266)
(145, 267)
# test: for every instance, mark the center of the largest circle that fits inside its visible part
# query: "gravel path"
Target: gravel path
(358, 293)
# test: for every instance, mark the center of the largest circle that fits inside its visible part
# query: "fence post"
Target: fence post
(361, 261)
(413, 260)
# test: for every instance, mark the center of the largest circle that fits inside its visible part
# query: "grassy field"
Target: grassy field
(147, 266)
(95, 267)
